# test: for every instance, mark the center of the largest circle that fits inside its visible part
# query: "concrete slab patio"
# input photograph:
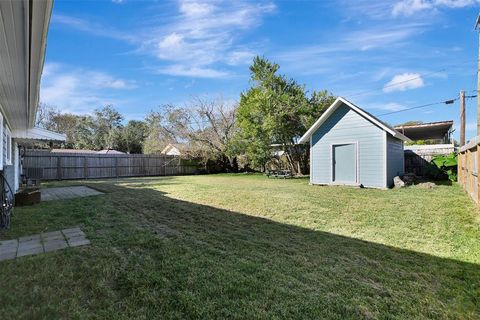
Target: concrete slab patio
(40, 243)
(60, 193)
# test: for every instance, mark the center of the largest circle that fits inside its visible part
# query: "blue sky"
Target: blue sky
(138, 55)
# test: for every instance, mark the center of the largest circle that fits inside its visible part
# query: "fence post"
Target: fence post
(85, 167)
(164, 164)
(477, 163)
(116, 166)
(59, 168)
(144, 166)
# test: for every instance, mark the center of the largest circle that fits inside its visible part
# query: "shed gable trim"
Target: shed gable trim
(364, 114)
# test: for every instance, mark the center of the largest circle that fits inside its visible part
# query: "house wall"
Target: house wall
(8, 160)
(173, 152)
(395, 159)
(346, 125)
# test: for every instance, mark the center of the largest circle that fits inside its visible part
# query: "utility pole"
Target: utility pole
(477, 27)
(462, 118)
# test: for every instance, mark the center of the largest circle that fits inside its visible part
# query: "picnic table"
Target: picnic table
(279, 174)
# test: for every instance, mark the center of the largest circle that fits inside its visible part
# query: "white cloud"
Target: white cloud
(92, 28)
(79, 90)
(192, 8)
(410, 7)
(383, 36)
(404, 81)
(380, 37)
(390, 106)
(200, 35)
(240, 57)
(346, 51)
(195, 72)
(103, 80)
(204, 34)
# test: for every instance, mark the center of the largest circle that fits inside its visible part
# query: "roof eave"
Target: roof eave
(306, 137)
(38, 134)
(40, 12)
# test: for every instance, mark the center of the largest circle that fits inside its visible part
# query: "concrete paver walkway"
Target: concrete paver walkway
(49, 194)
(40, 243)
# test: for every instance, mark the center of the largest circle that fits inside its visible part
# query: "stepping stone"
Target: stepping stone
(8, 249)
(52, 235)
(72, 231)
(29, 238)
(29, 247)
(40, 243)
(8, 255)
(79, 241)
(56, 244)
(8, 244)
(74, 234)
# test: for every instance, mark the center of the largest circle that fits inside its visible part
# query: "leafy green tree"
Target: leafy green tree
(277, 110)
(106, 124)
(133, 136)
(101, 131)
(77, 128)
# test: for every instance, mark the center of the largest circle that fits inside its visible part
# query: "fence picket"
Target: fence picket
(45, 165)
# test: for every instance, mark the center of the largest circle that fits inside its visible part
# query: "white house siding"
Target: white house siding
(395, 159)
(343, 126)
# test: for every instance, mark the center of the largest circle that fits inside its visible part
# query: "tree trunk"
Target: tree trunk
(290, 162)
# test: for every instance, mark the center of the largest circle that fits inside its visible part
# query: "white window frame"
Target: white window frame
(8, 134)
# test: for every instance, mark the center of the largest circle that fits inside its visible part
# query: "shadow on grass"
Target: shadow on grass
(186, 260)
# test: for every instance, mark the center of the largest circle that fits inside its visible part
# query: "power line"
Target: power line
(421, 106)
(395, 84)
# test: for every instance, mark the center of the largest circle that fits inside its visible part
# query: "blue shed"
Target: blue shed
(349, 146)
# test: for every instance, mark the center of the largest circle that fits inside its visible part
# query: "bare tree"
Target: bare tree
(207, 127)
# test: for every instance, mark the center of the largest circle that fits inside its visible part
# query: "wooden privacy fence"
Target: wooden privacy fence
(62, 166)
(468, 163)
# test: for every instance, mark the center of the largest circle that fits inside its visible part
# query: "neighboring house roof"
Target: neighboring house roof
(72, 151)
(23, 43)
(334, 106)
(426, 131)
(109, 151)
(87, 151)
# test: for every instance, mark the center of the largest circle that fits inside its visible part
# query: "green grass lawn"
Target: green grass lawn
(248, 247)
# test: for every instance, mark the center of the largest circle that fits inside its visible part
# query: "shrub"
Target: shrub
(442, 167)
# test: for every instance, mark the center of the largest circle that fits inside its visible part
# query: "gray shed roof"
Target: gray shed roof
(305, 138)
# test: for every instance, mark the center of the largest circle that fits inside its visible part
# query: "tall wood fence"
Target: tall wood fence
(468, 164)
(62, 166)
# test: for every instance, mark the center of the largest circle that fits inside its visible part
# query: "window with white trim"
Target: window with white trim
(7, 145)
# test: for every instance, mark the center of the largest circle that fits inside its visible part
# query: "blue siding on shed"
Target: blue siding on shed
(343, 126)
(395, 159)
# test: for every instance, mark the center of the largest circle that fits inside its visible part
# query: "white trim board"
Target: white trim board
(38, 134)
(385, 159)
(360, 111)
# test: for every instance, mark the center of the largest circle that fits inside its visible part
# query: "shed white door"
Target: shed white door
(344, 158)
